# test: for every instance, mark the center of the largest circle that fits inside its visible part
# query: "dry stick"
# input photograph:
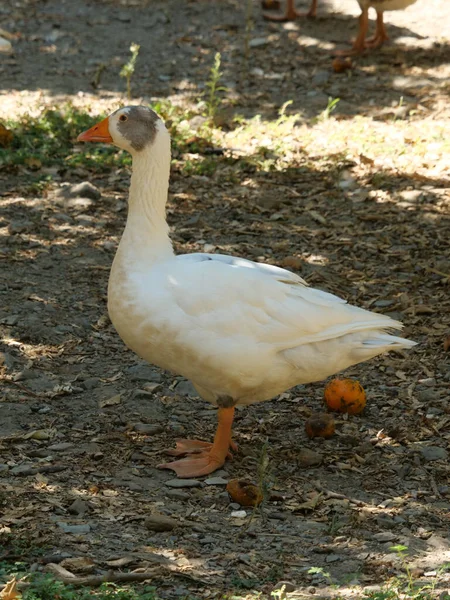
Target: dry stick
(112, 577)
(22, 387)
(330, 494)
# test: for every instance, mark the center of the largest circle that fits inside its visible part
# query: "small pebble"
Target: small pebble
(238, 514)
(158, 522)
(183, 483)
(78, 507)
(148, 428)
(60, 447)
(385, 536)
(287, 586)
(74, 529)
(431, 453)
(216, 481)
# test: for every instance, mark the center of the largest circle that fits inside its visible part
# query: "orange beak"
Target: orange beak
(98, 133)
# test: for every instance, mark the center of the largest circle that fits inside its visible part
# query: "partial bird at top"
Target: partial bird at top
(241, 331)
(291, 12)
(361, 43)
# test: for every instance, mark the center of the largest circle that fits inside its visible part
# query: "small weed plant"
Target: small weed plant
(213, 99)
(128, 68)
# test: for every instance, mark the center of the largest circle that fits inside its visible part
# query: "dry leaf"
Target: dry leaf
(6, 136)
(33, 163)
(110, 401)
(447, 343)
(310, 504)
(39, 434)
(10, 591)
(79, 564)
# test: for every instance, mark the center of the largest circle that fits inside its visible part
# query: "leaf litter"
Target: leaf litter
(357, 206)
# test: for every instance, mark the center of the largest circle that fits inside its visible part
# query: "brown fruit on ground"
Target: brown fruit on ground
(345, 395)
(320, 425)
(244, 492)
(341, 64)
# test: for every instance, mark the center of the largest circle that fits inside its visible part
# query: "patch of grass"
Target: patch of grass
(47, 588)
(48, 140)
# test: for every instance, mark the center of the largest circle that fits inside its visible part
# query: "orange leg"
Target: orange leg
(206, 457)
(380, 36)
(359, 44)
(291, 14)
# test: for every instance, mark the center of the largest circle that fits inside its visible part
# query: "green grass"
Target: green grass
(49, 140)
(46, 588)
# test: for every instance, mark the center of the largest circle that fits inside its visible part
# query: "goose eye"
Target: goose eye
(123, 118)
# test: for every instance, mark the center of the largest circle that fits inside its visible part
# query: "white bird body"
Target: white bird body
(237, 329)
(385, 5)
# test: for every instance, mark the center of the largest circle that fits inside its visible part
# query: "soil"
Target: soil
(84, 422)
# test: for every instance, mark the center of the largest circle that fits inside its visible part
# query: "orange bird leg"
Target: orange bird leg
(359, 44)
(291, 14)
(205, 458)
(312, 12)
(381, 35)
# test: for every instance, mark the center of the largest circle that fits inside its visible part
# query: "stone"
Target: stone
(60, 447)
(308, 458)
(148, 428)
(19, 226)
(183, 483)
(333, 558)
(431, 453)
(85, 189)
(385, 536)
(79, 203)
(185, 388)
(178, 495)
(216, 481)
(90, 383)
(78, 507)
(74, 529)
(258, 42)
(287, 586)
(144, 373)
(158, 522)
(321, 78)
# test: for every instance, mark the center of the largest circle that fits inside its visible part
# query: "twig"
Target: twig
(22, 387)
(330, 494)
(112, 577)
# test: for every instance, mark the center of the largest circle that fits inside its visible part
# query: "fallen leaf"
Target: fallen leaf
(39, 434)
(120, 562)
(33, 163)
(310, 504)
(447, 343)
(79, 564)
(110, 401)
(10, 591)
(6, 136)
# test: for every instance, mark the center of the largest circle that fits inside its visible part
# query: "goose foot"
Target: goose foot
(205, 457)
(201, 463)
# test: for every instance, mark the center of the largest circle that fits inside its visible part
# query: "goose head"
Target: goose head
(132, 128)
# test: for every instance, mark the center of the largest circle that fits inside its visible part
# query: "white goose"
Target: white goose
(242, 332)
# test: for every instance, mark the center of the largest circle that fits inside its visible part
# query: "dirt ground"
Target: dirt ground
(84, 422)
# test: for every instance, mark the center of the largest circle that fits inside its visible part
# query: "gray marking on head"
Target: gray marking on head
(140, 127)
